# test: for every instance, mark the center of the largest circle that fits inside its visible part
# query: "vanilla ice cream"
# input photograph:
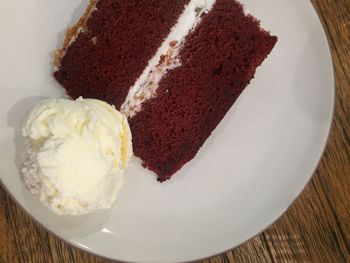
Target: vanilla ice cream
(75, 154)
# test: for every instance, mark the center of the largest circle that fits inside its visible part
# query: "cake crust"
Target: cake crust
(72, 33)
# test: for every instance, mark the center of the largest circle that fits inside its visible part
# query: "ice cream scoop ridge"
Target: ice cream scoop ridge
(75, 154)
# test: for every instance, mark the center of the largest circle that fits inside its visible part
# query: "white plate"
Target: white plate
(247, 174)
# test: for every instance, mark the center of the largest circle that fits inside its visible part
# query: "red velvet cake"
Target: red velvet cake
(200, 64)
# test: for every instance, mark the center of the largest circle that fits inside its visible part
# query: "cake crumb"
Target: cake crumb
(161, 59)
(94, 40)
(173, 43)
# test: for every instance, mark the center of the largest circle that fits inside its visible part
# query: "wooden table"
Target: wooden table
(315, 229)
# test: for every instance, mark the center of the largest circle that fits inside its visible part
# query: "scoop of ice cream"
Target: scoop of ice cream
(75, 154)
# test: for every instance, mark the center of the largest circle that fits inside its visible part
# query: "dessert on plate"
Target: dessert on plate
(174, 68)
(75, 154)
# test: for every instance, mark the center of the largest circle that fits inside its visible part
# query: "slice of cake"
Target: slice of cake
(182, 93)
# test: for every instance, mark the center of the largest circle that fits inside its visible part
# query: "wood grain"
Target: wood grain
(315, 229)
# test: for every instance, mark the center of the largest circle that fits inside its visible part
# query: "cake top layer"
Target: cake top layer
(114, 46)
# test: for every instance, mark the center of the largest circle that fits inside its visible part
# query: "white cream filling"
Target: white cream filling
(166, 57)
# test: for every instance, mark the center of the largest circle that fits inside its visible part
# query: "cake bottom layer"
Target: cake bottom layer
(218, 60)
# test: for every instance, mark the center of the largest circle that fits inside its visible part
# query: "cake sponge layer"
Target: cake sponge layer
(113, 47)
(218, 61)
